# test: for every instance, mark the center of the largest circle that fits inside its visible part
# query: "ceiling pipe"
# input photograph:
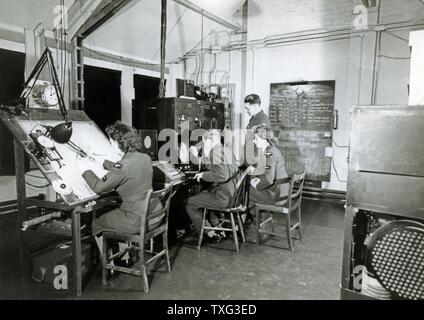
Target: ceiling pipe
(319, 34)
(209, 15)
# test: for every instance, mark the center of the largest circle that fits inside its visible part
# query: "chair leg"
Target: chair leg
(299, 228)
(240, 224)
(288, 231)
(272, 222)
(258, 223)
(151, 245)
(165, 247)
(145, 279)
(202, 230)
(104, 261)
(233, 226)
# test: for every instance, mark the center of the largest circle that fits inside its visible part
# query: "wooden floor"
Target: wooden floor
(267, 271)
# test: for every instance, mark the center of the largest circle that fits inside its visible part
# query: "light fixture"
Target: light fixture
(62, 132)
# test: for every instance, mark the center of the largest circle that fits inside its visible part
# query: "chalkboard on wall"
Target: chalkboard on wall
(302, 117)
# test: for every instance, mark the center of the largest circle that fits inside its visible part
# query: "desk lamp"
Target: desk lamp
(62, 132)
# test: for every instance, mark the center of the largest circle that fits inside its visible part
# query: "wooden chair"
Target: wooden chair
(285, 207)
(237, 206)
(153, 224)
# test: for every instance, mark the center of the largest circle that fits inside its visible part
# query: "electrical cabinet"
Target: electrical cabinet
(385, 182)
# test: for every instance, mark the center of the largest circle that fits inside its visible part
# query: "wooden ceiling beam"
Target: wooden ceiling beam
(86, 16)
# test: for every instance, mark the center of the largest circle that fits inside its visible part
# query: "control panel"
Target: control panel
(165, 172)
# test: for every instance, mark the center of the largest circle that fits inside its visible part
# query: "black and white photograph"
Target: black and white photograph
(212, 154)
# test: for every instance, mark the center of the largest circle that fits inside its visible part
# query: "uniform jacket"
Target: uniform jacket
(259, 119)
(131, 177)
(221, 171)
(267, 189)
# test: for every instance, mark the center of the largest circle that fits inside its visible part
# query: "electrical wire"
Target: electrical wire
(64, 38)
(37, 186)
(335, 170)
(202, 61)
(332, 161)
(61, 44)
(339, 146)
(35, 176)
(396, 36)
(394, 58)
(171, 30)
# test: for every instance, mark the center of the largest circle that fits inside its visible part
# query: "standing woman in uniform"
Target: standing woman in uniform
(131, 177)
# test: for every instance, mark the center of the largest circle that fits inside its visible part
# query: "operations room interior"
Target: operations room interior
(212, 150)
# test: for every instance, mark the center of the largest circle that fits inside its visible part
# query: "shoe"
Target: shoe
(190, 229)
(229, 234)
(216, 238)
(189, 240)
(227, 225)
(249, 219)
(128, 263)
(133, 254)
(110, 274)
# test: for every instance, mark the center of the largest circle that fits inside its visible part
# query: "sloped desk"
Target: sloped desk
(69, 203)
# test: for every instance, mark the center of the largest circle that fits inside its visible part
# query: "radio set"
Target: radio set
(165, 172)
(173, 113)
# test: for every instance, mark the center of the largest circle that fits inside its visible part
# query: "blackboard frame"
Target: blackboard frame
(304, 121)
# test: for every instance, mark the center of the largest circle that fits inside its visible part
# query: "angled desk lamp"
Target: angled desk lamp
(62, 132)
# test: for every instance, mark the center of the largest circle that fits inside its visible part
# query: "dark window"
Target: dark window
(145, 87)
(102, 90)
(12, 68)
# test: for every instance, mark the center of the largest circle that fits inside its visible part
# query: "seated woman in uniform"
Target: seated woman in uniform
(131, 177)
(269, 179)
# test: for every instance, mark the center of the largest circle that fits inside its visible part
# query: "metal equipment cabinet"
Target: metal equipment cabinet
(170, 113)
(386, 177)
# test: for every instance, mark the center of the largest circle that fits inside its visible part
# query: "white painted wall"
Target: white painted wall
(348, 61)
(314, 61)
(416, 41)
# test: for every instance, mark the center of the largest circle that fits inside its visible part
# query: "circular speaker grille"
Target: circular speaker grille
(397, 258)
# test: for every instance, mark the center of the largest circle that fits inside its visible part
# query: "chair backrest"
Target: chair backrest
(156, 208)
(295, 190)
(240, 196)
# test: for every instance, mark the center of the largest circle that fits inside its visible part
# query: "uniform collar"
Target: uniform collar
(127, 155)
(256, 114)
(268, 148)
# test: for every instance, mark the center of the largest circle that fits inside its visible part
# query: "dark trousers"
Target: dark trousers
(178, 217)
(205, 199)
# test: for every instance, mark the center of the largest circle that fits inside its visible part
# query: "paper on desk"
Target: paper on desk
(92, 141)
(72, 177)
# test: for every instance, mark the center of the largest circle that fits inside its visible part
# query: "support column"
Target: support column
(162, 50)
(127, 94)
